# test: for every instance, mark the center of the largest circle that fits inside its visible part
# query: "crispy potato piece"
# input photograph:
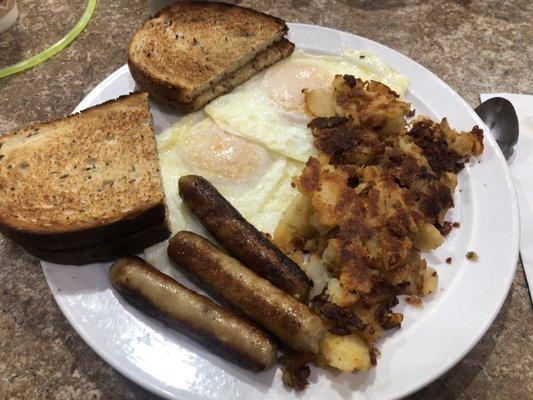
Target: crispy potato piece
(429, 282)
(427, 237)
(318, 274)
(370, 104)
(338, 295)
(377, 190)
(346, 353)
(320, 103)
(294, 226)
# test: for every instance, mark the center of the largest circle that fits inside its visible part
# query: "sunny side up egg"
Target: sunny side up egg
(254, 179)
(251, 142)
(247, 174)
(269, 109)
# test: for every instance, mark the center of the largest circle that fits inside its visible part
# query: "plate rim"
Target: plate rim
(150, 385)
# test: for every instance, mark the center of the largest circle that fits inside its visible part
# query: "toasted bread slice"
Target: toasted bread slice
(84, 180)
(192, 52)
(104, 252)
(169, 95)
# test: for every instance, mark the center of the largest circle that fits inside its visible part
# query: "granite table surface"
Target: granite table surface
(474, 46)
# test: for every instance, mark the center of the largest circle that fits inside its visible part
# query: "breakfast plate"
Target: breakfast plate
(432, 338)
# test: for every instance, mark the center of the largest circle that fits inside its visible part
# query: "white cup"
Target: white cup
(8, 14)
(156, 5)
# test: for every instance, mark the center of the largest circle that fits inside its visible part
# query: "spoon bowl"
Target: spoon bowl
(500, 117)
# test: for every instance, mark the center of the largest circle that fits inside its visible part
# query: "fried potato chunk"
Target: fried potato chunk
(346, 353)
(369, 104)
(374, 197)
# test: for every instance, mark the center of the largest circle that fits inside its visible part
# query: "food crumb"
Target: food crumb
(414, 301)
(295, 370)
(374, 353)
(449, 260)
(472, 256)
(267, 235)
(445, 229)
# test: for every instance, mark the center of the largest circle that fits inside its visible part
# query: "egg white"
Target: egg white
(255, 180)
(269, 109)
(250, 143)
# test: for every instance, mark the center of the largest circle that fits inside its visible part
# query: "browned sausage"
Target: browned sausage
(241, 238)
(293, 323)
(197, 316)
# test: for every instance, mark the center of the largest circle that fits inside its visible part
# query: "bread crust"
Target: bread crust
(85, 238)
(9, 135)
(65, 209)
(106, 252)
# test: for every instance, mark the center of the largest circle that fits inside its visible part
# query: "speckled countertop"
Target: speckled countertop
(475, 46)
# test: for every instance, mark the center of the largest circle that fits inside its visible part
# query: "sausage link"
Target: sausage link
(197, 316)
(292, 322)
(241, 238)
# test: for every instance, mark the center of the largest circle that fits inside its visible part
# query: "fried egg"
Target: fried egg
(251, 142)
(269, 109)
(254, 179)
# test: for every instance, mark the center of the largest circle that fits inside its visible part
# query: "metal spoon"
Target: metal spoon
(500, 117)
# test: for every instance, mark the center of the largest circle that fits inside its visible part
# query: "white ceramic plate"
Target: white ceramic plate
(431, 340)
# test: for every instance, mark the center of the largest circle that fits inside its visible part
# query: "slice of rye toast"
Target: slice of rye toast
(106, 252)
(192, 52)
(169, 95)
(83, 180)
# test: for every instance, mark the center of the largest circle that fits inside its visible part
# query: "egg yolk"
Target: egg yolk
(221, 155)
(284, 84)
